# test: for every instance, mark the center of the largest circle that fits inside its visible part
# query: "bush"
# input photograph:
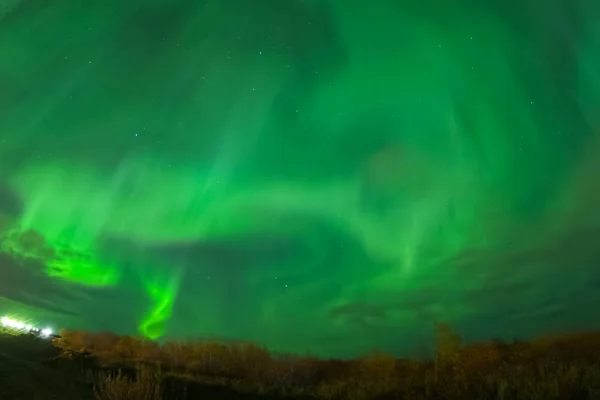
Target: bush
(146, 385)
(558, 367)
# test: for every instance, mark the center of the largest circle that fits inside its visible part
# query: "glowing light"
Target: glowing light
(18, 326)
(163, 293)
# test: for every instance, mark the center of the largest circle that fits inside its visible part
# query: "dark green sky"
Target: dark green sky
(329, 176)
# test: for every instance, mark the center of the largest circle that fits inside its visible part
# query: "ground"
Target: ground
(32, 368)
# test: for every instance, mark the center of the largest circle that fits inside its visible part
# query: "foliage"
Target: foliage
(559, 367)
(146, 385)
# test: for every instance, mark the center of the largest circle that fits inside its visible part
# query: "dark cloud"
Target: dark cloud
(532, 285)
(26, 244)
(25, 281)
(420, 303)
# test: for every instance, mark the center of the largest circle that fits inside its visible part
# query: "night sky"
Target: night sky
(326, 176)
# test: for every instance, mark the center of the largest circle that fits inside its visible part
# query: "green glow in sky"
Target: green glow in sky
(163, 291)
(313, 175)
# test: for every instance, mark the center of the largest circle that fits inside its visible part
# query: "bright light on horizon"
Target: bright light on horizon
(25, 327)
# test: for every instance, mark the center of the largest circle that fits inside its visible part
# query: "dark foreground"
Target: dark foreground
(104, 366)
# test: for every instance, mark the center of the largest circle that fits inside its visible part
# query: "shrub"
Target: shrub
(559, 367)
(146, 385)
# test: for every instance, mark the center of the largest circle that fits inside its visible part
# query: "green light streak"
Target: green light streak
(162, 292)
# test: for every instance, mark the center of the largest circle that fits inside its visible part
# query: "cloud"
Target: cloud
(533, 285)
(25, 281)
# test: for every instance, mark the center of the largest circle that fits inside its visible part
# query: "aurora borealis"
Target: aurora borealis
(324, 176)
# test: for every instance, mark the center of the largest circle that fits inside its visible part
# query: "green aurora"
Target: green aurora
(322, 176)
